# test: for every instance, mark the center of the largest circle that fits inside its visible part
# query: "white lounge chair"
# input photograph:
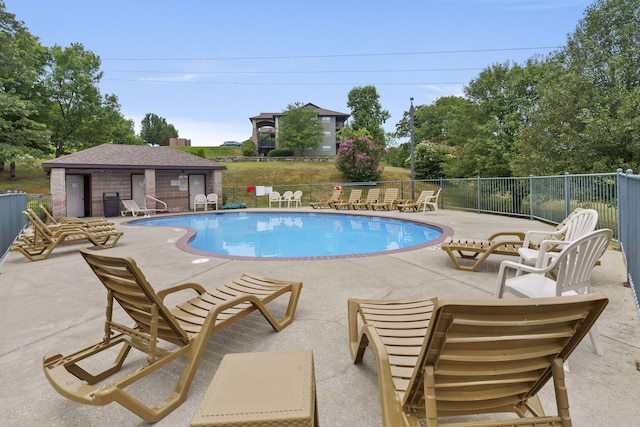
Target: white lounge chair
(131, 206)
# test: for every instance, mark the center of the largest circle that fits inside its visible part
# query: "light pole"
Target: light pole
(413, 170)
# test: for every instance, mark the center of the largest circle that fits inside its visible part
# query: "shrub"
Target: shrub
(358, 158)
(280, 152)
(248, 148)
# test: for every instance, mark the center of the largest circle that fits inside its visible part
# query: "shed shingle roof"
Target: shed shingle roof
(116, 156)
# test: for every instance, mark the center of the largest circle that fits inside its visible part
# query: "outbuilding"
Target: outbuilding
(84, 183)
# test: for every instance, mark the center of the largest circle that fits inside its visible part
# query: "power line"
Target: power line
(346, 55)
(298, 72)
(284, 83)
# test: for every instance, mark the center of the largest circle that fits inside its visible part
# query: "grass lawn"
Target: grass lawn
(30, 177)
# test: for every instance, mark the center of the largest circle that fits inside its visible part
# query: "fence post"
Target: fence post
(567, 194)
(531, 198)
(479, 195)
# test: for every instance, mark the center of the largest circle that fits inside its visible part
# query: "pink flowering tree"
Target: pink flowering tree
(358, 158)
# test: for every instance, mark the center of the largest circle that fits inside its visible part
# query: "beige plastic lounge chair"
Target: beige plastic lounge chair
(577, 225)
(297, 198)
(42, 240)
(411, 205)
(274, 197)
(432, 202)
(82, 222)
(328, 203)
(132, 207)
(571, 270)
(162, 334)
(373, 196)
(389, 201)
(212, 200)
(200, 200)
(502, 243)
(354, 197)
(462, 357)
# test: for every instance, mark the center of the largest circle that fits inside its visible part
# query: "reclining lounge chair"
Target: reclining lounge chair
(462, 357)
(164, 335)
(372, 196)
(354, 197)
(502, 243)
(328, 203)
(43, 239)
(415, 205)
(389, 201)
(68, 220)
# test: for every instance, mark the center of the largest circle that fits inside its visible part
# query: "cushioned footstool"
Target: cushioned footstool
(261, 390)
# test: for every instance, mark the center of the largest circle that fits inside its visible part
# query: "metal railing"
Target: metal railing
(629, 226)
(616, 197)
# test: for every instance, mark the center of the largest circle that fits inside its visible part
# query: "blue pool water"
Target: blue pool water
(297, 235)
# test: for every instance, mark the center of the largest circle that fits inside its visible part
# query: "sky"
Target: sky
(207, 66)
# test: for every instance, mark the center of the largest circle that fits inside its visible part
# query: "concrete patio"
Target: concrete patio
(58, 305)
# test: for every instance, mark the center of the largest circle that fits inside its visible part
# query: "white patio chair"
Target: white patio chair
(578, 225)
(199, 200)
(297, 198)
(571, 268)
(274, 197)
(432, 202)
(212, 200)
(132, 207)
(287, 196)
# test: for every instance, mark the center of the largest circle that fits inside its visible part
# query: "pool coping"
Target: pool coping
(183, 242)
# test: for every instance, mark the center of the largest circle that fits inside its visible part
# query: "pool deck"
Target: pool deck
(57, 304)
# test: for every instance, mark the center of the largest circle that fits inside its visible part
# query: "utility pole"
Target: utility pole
(413, 170)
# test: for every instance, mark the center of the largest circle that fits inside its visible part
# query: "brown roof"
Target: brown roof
(320, 111)
(116, 156)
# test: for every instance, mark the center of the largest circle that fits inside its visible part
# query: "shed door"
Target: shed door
(196, 186)
(75, 195)
(138, 189)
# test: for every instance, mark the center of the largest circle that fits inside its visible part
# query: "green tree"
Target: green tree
(109, 125)
(22, 61)
(155, 130)
(430, 159)
(71, 89)
(506, 95)
(588, 118)
(367, 113)
(299, 128)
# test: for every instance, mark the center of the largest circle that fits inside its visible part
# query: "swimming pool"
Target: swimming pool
(296, 235)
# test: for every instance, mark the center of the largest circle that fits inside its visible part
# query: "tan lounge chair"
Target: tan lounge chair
(461, 357)
(389, 201)
(502, 243)
(372, 196)
(95, 222)
(164, 335)
(354, 197)
(410, 205)
(42, 240)
(328, 203)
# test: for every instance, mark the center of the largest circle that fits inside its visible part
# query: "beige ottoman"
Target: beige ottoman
(261, 390)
